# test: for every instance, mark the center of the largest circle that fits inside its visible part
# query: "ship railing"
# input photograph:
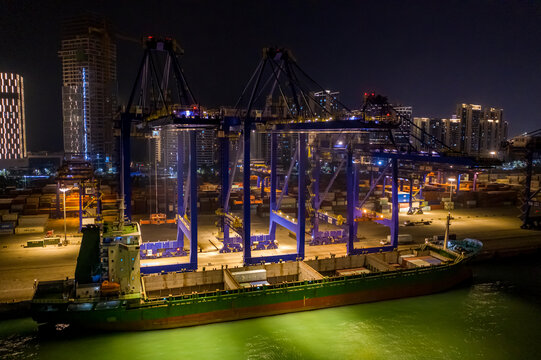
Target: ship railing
(221, 293)
(48, 301)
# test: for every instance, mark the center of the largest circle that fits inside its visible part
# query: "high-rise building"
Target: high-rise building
(493, 131)
(470, 119)
(474, 130)
(402, 135)
(429, 133)
(437, 134)
(165, 145)
(452, 132)
(12, 117)
(482, 130)
(206, 147)
(326, 103)
(88, 55)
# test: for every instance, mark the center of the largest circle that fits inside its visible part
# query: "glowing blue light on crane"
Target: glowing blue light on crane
(84, 114)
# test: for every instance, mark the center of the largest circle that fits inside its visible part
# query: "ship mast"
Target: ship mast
(446, 237)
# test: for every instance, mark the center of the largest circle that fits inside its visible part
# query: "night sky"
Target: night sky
(428, 54)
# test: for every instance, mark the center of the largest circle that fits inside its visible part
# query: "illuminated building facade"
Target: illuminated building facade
(88, 56)
(474, 130)
(327, 103)
(429, 133)
(165, 145)
(402, 136)
(493, 130)
(482, 130)
(470, 119)
(452, 132)
(12, 117)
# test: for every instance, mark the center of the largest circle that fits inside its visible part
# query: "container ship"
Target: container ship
(109, 293)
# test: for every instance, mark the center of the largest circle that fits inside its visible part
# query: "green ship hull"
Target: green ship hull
(108, 292)
(197, 309)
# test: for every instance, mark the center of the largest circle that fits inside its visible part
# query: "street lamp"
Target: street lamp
(451, 180)
(65, 231)
(446, 236)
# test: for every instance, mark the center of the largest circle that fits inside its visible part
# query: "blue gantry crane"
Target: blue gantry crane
(527, 147)
(162, 103)
(278, 79)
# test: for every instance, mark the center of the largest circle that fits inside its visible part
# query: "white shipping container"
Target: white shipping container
(402, 238)
(250, 275)
(370, 205)
(89, 221)
(29, 229)
(33, 220)
(288, 200)
(9, 217)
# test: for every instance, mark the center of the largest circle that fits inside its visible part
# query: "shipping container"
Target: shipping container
(33, 220)
(7, 225)
(29, 229)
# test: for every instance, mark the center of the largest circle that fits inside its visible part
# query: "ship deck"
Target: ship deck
(180, 284)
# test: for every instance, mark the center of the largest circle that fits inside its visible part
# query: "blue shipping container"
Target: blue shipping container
(7, 225)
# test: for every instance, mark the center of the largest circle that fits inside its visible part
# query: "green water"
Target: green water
(497, 317)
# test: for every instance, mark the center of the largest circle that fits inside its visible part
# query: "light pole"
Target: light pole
(447, 223)
(64, 197)
(451, 180)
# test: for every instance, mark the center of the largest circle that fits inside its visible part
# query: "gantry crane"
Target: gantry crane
(527, 146)
(277, 76)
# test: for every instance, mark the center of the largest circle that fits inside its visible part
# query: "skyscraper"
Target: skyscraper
(429, 133)
(12, 117)
(402, 135)
(493, 130)
(482, 130)
(88, 55)
(327, 103)
(452, 133)
(470, 117)
(165, 148)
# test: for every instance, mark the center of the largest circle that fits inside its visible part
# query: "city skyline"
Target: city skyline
(433, 86)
